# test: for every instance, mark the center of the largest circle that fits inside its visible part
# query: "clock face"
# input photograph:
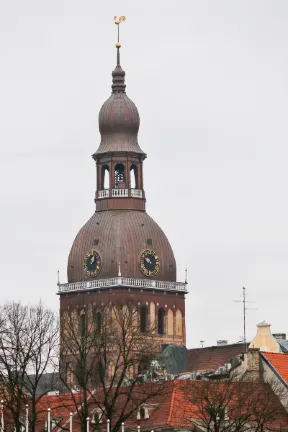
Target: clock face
(92, 263)
(149, 263)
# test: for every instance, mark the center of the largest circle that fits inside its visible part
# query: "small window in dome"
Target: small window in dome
(149, 242)
(96, 241)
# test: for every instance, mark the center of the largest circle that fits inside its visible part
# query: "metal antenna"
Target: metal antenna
(58, 276)
(244, 301)
(202, 343)
(186, 276)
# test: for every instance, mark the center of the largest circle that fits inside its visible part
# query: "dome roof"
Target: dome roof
(119, 124)
(118, 118)
(121, 236)
(119, 114)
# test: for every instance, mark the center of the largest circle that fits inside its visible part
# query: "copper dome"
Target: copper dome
(118, 125)
(121, 236)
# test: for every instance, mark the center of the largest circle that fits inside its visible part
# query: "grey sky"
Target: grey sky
(210, 81)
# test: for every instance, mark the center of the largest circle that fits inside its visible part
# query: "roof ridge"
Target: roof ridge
(171, 404)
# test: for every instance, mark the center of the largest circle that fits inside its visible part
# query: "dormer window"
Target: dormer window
(97, 417)
(54, 422)
(143, 413)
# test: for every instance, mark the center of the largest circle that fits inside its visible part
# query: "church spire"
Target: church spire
(119, 158)
(118, 74)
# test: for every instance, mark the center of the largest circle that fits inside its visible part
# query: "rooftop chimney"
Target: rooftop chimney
(264, 340)
(222, 342)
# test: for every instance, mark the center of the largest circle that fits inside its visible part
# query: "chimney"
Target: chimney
(279, 336)
(222, 342)
(253, 359)
(264, 340)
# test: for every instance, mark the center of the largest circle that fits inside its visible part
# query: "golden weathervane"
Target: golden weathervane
(117, 22)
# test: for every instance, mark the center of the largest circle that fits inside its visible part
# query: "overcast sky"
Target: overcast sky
(210, 81)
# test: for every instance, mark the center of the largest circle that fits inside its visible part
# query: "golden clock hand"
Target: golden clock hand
(148, 260)
(93, 259)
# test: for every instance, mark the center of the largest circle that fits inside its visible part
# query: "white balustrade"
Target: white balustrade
(103, 194)
(136, 193)
(122, 281)
(119, 193)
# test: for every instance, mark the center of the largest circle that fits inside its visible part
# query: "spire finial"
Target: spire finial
(118, 74)
(118, 21)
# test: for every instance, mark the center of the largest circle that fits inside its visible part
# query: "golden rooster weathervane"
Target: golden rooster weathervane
(117, 22)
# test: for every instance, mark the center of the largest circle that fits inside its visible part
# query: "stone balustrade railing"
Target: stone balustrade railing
(123, 282)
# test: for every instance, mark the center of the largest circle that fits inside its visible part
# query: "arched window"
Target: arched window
(161, 321)
(152, 317)
(119, 175)
(170, 323)
(98, 320)
(82, 324)
(105, 182)
(179, 324)
(143, 319)
(142, 367)
(134, 177)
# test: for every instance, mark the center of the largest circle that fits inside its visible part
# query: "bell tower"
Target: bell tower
(119, 159)
(121, 253)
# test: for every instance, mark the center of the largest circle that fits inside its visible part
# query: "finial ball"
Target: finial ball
(118, 45)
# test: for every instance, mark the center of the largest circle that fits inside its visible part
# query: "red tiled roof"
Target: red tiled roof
(172, 408)
(211, 358)
(280, 362)
(184, 407)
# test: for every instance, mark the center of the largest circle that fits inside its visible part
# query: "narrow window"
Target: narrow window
(179, 323)
(170, 322)
(161, 321)
(142, 413)
(143, 319)
(152, 317)
(98, 320)
(83, 324)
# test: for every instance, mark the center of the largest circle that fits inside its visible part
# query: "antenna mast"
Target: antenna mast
(244, 301)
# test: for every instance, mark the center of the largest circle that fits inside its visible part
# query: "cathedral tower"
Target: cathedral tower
(121, 253)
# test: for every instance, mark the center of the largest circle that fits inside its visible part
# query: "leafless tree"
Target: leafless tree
(105, 360)
(232, 405)
(28, 345)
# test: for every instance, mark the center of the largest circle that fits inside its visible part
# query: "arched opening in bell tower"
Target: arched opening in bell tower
(134, 177)
(119, 175)
(105, 182)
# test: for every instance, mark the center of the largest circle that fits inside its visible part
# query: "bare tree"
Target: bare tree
(28, 346)
(232, 405)
(105, 358)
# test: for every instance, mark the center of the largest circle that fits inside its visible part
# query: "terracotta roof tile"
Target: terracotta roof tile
(279, 361)
(211, 358)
